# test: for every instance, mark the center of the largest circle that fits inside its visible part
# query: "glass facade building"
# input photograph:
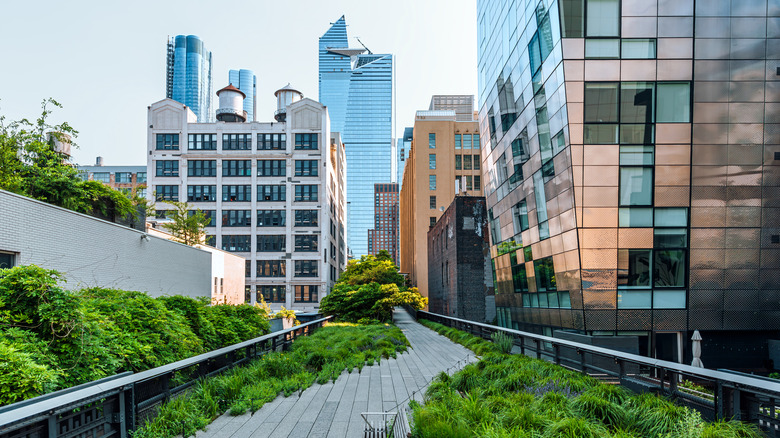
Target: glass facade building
(188, 78)
(246, 81)
(357, 88)
(631, 154)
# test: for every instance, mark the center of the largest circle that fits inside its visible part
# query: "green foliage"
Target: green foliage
(321, 357)
(372, 269)
(511, 395)
(51, 338)
(503, 342)
(188, 228)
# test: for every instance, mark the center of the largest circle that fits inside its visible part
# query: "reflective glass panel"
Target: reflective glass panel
(636, 185)
(669, 299)
(636, 155)
(637, 49)
(674, 102)
(671, 217)
(635, 217)
(669, 268)
(603, 18)
(634, 299)
(602, 48)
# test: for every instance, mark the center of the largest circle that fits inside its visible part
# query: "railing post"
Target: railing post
(662, 372)
(720, 410)
(557, 354)
(737, 403)
(621, 368)
(538, 349)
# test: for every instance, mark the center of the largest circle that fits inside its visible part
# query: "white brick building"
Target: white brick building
(275, 191)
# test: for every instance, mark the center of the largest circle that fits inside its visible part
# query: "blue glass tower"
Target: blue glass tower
(188, 78)
(246, 81)
(357, 88)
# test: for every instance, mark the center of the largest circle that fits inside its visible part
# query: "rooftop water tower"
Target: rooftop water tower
(231, 105)
(284, 97)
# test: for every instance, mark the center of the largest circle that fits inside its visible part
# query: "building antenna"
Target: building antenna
(364, 46)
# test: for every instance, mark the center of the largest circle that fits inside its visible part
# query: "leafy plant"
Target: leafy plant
(186, 227)
(503, 342)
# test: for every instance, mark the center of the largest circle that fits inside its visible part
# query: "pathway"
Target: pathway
(333, 409)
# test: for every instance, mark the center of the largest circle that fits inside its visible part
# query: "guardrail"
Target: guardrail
(117, 405)
(737, 396)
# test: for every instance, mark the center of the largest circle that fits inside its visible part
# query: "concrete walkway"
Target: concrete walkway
(333, 409)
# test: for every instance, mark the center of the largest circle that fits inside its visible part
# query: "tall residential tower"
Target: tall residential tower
(246, 81)
(188, 75)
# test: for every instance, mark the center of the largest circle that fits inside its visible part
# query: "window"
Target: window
(634, 268)
(236, 243)
(306, 141)
(602, 48)
(305, 167)
(306, 192)
(271, 268)
(306, 268)
(7, 260)
(272, 294)
(202, 168)
(127, 177)
(271, 218)
(432, 140)
(545, 275)
(140, 177)
(469, 185)
(636, 186)
(202, 142)
(241, 193)
(236, 218)
(431, 182)
(161, 214)
(541, 206)
(271, 142)
(467, 144)
(603, 18)
(104, 177)
(271, 192)
(458, 141)
(520, 216)
(167, 193)
(674, 102)
(477, 182)
(236, 167)
(209, 214)
(458, 162)
(306, 294)
(467, 162)
(201, 193)
(236, 142)
(476, 162)
(272, 243)
(211, 240)
(433, 202)
(432, 222)
(669, 268)
(141, 192)
(305, 218)
(271, 168)
(306, 243)
(432, 161)
(167, 142)
(637, 49)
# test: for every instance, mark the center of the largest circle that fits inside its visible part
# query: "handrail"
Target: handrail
(125, 408)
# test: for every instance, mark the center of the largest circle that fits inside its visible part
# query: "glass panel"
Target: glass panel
(674, 102)
(636, 155)
(534, 300)
(637, 49)
(601, 102)
(526, 300)
(634, 267)
(669, 268)
(671, 217)
(669, 299)
(541, 201)
(543, 300)
(545, 275)
(601, 134)
(635, 217)
(670, 238)
(552, 299)
(636, 186)
(634, 299)
(572, 18)
(565, 302)
(637, 134)
(602, 48)
(636, 102)
(603, 18)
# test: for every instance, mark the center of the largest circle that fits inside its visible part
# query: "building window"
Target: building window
(127, 177)
(458, 162)
(210, 215)
(541, 205)
(141, 192)
(306, 268)
(271, 142)
(236, 167)
(458, 141)
(202, 142)
(306, 168)
(306, 243)
(432, 222)
(476, 162)
(202, 168)
(306, 141)
(236, 218)
(272, 294)
(247, 268)
(603, 18)
(166, 193)
(140, 177)
(167, 142)
(467, 162)
(636, 186)
(236, 243)
(432, 161)
(272, 243)
(7, 260)
(271, 192)
(432, 140)
(201, 193)
(433, 202)
(545, 274)
(271, 168)
(271, 268)
(468, 179)
(305, 192)
(306, 294)
(673, 102)
(211, 240)
(431, 182)
(467, 143)
(306, 218)
(520, 216)
(104, 177)
(271, 218)
(242, 193)
(236, 142)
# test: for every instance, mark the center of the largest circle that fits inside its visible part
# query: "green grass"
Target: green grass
(321, 357)
(517, 396)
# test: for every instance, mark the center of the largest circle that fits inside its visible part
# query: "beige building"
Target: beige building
(444, 160)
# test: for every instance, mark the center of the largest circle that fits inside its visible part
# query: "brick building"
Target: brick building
(384, 235)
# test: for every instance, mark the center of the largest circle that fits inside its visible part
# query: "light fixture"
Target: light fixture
(145, 237)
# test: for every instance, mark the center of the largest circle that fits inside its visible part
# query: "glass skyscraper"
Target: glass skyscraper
(246, 81)
(357, 87)
(630, 152)
(188, 76)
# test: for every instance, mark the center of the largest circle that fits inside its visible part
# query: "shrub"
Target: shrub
(503, 342)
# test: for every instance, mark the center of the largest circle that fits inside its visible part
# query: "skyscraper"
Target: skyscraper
(188, 75)
(246, 81)
(357, 87)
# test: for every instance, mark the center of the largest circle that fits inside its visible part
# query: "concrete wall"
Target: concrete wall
(92, 252)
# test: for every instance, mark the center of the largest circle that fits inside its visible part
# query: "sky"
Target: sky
(104, 61)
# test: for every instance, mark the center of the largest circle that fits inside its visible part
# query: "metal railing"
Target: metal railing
(116, 405)
(386, 424)
(737, 396)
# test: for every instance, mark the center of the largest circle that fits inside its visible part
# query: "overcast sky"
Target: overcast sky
(104, 61)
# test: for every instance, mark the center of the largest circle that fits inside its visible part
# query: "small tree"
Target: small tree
(187, 228)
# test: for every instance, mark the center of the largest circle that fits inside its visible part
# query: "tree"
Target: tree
(379, 269)
(187, 227)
